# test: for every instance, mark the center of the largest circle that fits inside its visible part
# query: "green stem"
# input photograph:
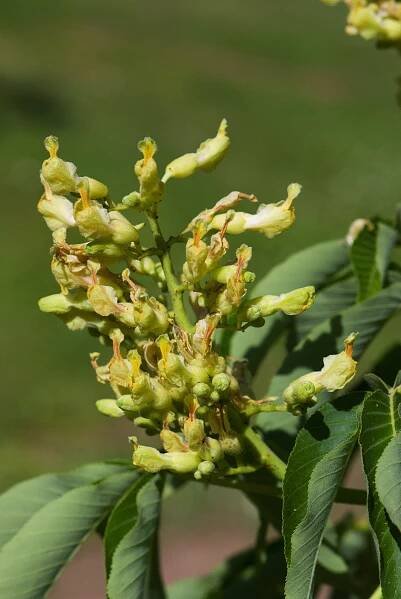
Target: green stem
(267, 406)
(344, 495)
(173, 286)
(266, 456)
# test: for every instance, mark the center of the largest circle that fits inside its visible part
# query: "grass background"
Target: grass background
(305, 103)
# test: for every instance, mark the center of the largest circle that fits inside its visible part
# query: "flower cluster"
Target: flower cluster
(165, 371)
(380, 20)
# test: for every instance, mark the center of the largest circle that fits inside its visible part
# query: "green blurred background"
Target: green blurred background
(304, 101)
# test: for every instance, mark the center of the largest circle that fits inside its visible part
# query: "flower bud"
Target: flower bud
(92, 219)
(96, 189)
(122, 231)
(204, 469)
(194, 432)
(211, 450)
(195, 265)
(59, 303)
(221, 382)
(127, 404)
(206, 157)
(231, 445)
(301, 393)
(291, 303)
(337, 371)
(60, 175)
(201, 390)
(150, 316)
(213, 150)
(109, 407)
(181, 167)
(151, 460)
(151, 188)
(270, 219)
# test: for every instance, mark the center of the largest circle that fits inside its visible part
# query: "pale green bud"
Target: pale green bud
(181, 167)
(211, 450)
(204, 469)
(194, 432)
(195, 266)
(109, 407)
(213, 150)
(301, 393)
(338, 370)
(151, 188)
(132, 200)
(197, 373)
(206, 157)
(92, 220)
(59, 303)
(122, 231)
(291, 303)
(270, 219)
(60, 175)
(151, 316)
(231, 445)
(127, 403)
(96, 189)
(235, 226)
(215, 396)
(201, 390)
(224, 273)
(151, 460)
(221, 382)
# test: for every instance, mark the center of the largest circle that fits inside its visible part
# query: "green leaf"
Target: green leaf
(380, 425)
(22, 501)
(31, 560)
(122, 518)
(314, 472)
(312, 266)
(388, 479)
(370, 255)
(327, 338)
(134, 569)
(330, 301)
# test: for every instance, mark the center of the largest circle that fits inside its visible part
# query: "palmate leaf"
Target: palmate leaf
(122, 518)
(23, 500)
(45, 537)
(134, 569)
(380, 426)
(331, 300)
(388, 479)
(312, 266)
(370, 255)
(314, 473)
(367, 317)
